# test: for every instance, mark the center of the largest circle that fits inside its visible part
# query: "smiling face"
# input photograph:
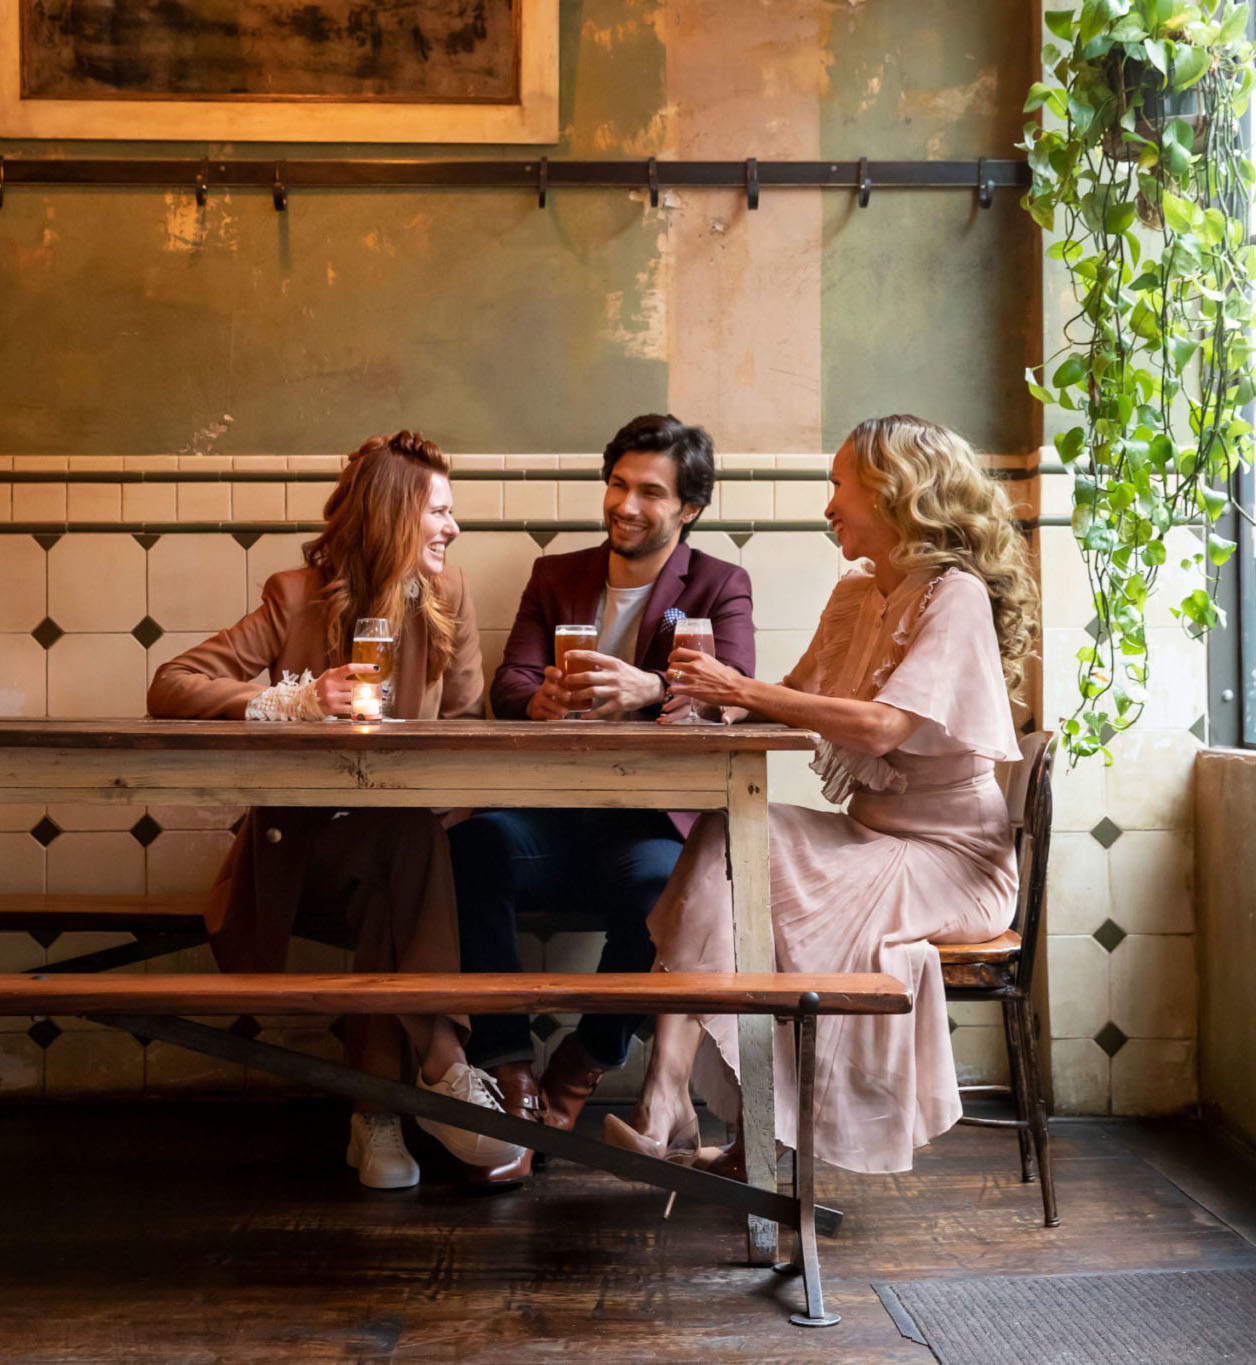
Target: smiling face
(437, 526)
(642, 509)
(861, 530)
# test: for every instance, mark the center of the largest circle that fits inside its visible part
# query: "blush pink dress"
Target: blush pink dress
(923, 853)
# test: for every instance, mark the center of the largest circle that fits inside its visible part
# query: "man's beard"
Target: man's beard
(648, 545)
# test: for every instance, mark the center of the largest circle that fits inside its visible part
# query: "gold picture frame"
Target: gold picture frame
(531, 116)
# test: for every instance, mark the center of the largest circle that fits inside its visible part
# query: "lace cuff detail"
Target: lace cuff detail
(290, 698)
(844, 772)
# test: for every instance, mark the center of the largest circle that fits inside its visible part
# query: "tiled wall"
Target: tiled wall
(98, 601)
(1120, 918)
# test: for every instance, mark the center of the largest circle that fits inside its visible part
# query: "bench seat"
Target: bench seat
(778, 993)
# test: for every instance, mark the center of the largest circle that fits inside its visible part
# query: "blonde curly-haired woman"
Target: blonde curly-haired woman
(907, 681)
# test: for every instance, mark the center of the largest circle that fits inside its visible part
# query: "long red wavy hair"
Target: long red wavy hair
(368, 553)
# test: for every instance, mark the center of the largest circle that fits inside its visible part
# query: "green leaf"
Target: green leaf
(1073, 369)
(1120, 496)
(1189, 65)
(1214, 226)
(1082, 114)
(1213, 500)
(1178, 159)
(1070, 443)
(1180, 214)
(1234, 26)
(1037, 97)
(1098, 15)
(1179, 133)
(1157, 55)
(1183, 348)
(1200, 608)
(1145, 321)
(1154, 554)
(1119, 216)
(1060, 22)
(1219, 549)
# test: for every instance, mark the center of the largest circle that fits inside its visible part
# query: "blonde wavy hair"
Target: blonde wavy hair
(368, 553)
(949, 513)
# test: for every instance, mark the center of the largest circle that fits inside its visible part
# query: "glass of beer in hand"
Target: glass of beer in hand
(694, 632)
(572, 637)
(372, 644)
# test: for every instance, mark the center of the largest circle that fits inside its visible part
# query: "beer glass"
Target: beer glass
(572, 637)
(694, 632)
(372, 644)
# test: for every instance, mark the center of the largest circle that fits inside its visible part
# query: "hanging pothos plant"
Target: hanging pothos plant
(1139, 168)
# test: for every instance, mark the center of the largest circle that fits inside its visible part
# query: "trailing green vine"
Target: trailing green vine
(1140, 169)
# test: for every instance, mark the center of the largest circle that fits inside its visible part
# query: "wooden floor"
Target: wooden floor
(197, 1234)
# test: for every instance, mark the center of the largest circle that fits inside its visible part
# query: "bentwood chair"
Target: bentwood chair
(1003, 968)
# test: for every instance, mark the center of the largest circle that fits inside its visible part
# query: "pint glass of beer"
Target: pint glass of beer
(372, 644)
(694, 632)
(572, 637)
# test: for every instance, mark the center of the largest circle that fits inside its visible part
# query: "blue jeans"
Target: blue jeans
(615, 862)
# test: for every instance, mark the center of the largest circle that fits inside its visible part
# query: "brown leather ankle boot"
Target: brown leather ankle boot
(522, 1099)
(568, 1081)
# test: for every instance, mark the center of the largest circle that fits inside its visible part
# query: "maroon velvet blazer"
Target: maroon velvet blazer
(564, 590)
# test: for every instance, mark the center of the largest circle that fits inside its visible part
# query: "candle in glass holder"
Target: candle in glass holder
(367, 703)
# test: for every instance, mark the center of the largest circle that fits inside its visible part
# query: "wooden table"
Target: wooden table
(630, 765)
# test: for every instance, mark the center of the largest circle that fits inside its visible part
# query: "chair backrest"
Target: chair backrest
(1029, 810)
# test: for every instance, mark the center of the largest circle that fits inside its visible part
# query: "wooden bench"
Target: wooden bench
(149, 1006)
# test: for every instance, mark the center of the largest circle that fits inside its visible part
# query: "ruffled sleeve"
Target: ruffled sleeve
(830, 646)
(951, 675)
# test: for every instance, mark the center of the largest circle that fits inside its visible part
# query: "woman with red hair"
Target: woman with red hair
(383, 872)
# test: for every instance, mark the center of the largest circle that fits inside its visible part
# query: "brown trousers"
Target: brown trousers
(381, 879)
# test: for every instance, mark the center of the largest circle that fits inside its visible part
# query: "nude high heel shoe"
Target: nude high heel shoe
(681, 1148)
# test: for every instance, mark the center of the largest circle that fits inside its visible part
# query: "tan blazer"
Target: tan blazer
(254, 901)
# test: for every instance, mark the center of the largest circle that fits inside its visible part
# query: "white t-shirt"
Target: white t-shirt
(619, 620)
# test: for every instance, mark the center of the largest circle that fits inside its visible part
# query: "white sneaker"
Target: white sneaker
(464, 1082)
(381, 1157)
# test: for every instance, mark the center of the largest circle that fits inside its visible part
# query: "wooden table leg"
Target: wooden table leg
(753, 952)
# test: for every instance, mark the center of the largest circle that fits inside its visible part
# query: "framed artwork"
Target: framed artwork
(280, 70)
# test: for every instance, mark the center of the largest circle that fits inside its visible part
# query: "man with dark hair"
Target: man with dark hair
(632, 588)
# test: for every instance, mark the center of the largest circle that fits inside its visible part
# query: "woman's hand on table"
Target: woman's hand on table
(552, 700)
(334, 689)
(676, 711)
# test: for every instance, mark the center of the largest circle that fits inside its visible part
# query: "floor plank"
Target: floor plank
(196, 1234)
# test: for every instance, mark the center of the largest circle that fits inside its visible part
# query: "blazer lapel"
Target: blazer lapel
(668, 587)
(585, 590)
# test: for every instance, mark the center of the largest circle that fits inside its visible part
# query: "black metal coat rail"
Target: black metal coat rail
(540, 175)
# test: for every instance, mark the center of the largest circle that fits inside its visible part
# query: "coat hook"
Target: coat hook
(752, 183)
(653, 171)
(202, 183)
(985, 185)
(542, 182)
(865, 183)
(279, 190)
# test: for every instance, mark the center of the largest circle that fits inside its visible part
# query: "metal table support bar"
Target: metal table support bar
(394, 1097)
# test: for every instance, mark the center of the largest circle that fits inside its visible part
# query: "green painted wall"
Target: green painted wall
(133, 319)
(931, 305)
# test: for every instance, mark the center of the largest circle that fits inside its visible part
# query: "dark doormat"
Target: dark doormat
(1145, 1317)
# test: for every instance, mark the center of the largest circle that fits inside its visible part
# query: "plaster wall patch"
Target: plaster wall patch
(643, 333)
